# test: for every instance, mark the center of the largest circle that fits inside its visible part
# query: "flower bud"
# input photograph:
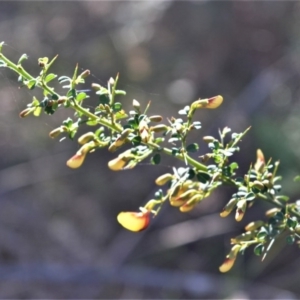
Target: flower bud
(111, 81)
(159, 128)
(62, 99)
(230, 259)
(85, 138)
(96, 86)
(246, 236)
(272, 212)
(136, 104)
(85, 74)
(240, 210)
(228, 208)
(134, 221)
(57, 131)
(208, 139)
(254, 225)
(76, 161)
(189, 205)
(257, 184)
(260, 161)
(144, 131)
(163, 179)
(117, 164)
(26, 112)
(211, 103)
(156, 118)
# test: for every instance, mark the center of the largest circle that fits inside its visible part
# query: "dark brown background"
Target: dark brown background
(58, 232)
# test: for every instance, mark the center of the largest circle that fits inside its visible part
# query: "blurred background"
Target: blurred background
(59, 237)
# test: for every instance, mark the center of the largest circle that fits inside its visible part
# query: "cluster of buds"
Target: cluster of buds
(185, 195)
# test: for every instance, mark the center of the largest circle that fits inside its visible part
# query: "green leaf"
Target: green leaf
(92, 123)
(250, 196)
(155, 160)
(117, 106)
(158, 195)
(2, 64)
(262, 233)
(283, 198)
(192, 147)
(197, 125)
(297, 178)
(279, 216)
(233, 166)
(37, 111)
(259, 249)
(81, 96)
(203, 177)
(191, 174)
(136, 140)
(22, 58)
(50, 77)
(103, 99)
(31, 84)
(62, 79)
(120, 92)
(292, 222)
(290, 239)
(175, 151)
(72, 94)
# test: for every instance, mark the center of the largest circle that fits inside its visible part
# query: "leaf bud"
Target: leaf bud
(163, 179)
(155, 118)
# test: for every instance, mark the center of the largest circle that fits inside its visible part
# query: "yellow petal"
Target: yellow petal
(227, 265)
(134, 221)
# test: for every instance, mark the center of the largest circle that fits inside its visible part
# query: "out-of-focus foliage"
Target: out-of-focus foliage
(59, 238)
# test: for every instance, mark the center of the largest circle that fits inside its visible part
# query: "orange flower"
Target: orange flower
(134, 221)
